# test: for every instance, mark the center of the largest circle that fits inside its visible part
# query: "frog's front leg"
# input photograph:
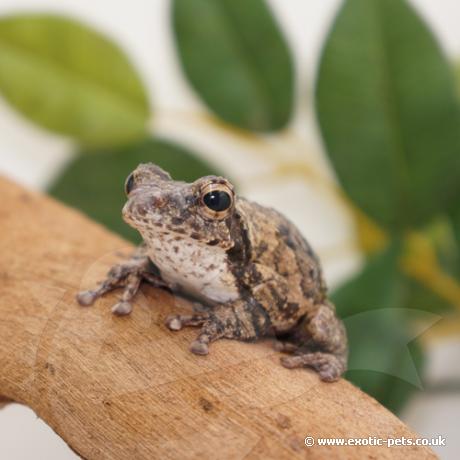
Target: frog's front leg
(246, 318)
(128, 275)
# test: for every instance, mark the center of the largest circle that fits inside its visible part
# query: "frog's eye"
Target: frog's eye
(129, 183)
(217, 199)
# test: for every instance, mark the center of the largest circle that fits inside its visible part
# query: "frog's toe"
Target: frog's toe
(199, 348)
(122, 308)
(329, 374)
(328, 366)
(291, 362)
(86, 298)
(285, 347)
(177, 322)
(173, 323)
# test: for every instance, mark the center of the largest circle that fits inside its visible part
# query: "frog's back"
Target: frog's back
(276, 242)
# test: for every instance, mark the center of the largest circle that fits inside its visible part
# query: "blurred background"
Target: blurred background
(344, 115)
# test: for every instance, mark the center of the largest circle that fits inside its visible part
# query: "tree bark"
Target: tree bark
(126, 387)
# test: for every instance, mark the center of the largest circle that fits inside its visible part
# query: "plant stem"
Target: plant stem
(421, 263)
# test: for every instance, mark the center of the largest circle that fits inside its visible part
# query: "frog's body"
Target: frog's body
(198, 270)
(248, 264)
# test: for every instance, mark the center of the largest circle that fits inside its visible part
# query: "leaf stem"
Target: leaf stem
(421, 263)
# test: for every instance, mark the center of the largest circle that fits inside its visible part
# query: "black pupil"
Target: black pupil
(129, 184)
(217, 200)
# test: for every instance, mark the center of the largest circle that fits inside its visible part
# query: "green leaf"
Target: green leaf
(420, 297)
(388, 113)
(70, 79)
(454, 214)
(444, 236)
(93, 182)
(389, 390)
(457, 76)
(454, 210)
(236, 58)
(379, 331)
(377, 286)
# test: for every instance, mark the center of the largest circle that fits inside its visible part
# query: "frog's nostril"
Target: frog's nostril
(158, 202)
(141, 210)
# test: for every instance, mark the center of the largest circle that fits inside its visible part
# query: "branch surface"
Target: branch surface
(117, 388)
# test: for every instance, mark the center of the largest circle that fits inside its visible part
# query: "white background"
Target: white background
(141, 27)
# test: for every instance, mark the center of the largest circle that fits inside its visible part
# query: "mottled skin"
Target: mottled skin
(249, 267)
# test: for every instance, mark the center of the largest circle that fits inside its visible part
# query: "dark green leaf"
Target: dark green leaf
(378, 285)
(391, 391)
(378, 329)
(456, 223)
(94, 182)
(70, 79)
(444, 236)
(421, 297)
(454, 209)
(454, 214)
(236, 58)
(457, 77)
(388, 113)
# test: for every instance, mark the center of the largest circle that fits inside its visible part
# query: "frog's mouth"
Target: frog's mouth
(127, 212)
(134, 213)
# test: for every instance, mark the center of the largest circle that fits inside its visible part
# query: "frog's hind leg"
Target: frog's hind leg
(325, 345)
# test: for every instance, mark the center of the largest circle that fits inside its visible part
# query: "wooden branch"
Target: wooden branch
(117, 388)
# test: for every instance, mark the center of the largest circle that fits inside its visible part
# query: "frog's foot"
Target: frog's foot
(285, 347)
(131, 285)
(122, 308)
(329, 366)
(129, 276)
(118, 276)
(177, 322)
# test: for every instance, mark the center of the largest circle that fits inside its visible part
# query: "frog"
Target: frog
(249, 269)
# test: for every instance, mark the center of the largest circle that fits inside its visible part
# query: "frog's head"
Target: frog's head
(160, 207)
